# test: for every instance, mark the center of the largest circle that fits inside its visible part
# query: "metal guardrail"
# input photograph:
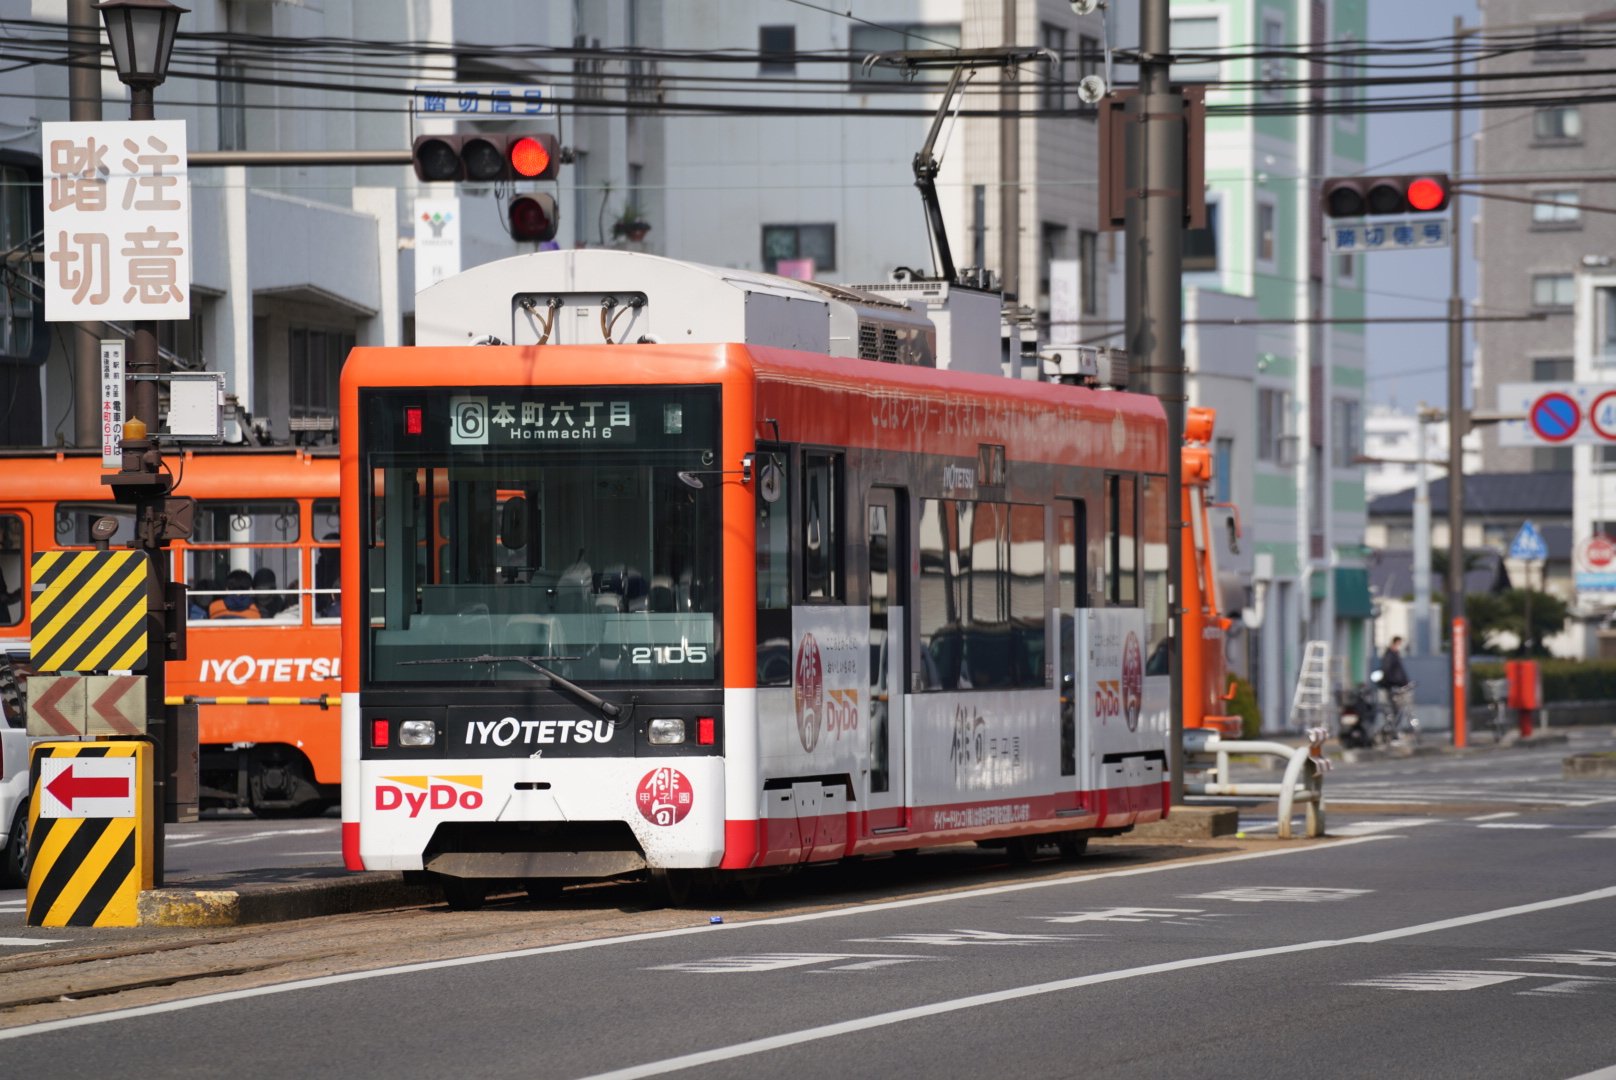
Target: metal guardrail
(1303, 781)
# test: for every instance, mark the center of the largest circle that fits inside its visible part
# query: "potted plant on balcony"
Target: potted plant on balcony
(631, 224)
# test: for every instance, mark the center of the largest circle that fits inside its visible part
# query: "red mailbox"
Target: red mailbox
(1525, 691)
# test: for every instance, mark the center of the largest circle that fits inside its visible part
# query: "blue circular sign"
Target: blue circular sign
(1555, 417)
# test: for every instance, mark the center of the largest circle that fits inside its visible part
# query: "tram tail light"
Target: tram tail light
(706, 731)
(412, 420)
(381, 734)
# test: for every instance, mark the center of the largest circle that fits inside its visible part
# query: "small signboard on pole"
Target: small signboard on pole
(1528, 544)
(112, 388)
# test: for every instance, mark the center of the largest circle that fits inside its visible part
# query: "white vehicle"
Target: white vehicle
(14, 743)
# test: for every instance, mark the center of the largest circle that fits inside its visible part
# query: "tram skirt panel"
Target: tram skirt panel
(89, 833)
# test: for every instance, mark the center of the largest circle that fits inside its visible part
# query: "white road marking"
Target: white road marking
(1120, 914)
(976, 1001)
(1495, 817)
(262, 834)
(739, 965)
(1578, 957)
(1285, 894)
(1370, 828)
(13, 905)
(1608, 1073)
(1602, 834)
(27, 942)
(1525, 825)
(626, 939)
(969, 937)
(1438, 980)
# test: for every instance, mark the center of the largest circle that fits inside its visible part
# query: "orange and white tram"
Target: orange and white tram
(671, 577)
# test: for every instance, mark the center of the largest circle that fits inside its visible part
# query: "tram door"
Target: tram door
(888, 543)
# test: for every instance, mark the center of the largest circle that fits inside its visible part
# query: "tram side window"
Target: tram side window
(821, 526)
(980, 610)
(326, 590)
(73, 521)
(773, 570)
(13, 577)
(242, 561)
(1121, 559)
(1153, 531)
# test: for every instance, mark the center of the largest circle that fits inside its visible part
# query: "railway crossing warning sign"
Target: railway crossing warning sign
(89, 611)
(70, 706)
(90, 829)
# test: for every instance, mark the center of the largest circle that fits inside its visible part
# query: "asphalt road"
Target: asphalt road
(1447, 943)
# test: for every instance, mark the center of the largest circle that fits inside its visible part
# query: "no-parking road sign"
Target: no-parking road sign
(1557, 414)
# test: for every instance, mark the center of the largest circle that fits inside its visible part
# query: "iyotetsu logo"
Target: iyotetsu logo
(808, 688)
(1133, 680)
(417, 793)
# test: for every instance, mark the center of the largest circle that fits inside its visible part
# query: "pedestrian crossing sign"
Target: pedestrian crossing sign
(1528, 544)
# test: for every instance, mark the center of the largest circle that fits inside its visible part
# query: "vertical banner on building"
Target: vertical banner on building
(437, 240)
(117, 221)
(111, 403)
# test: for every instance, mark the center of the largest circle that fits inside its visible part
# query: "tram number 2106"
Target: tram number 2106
(668, 654)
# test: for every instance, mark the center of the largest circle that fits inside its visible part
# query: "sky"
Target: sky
(1407, 363)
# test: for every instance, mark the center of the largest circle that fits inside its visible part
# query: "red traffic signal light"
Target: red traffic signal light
(1363, 196)
(533, 217)
(485, 159)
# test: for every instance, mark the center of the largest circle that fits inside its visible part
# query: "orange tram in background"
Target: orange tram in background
(263, 576)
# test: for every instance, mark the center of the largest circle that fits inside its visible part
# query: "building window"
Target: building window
(1052, 246)
(1347, 92)
(1273, 65)
(1201, 245)
(1553, 290)
(1557, 123)
(1556, 209)
(1223, 469)
(1195, 36)
(16, 233)
(1054, 39)
(864, 40)
(1551, 459)
(1088, 257)
(1346, 432)
(314, 362)
(1553, 369)
(232, 102)
(1090, 61)
(777, 50)
(1556, 44)
(799, 242)
(1273, 418)
(1266, 216)
(1346, 268)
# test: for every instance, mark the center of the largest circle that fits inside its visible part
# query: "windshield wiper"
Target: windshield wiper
(606, 708)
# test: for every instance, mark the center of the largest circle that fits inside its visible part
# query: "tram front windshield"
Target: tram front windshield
(577, 528)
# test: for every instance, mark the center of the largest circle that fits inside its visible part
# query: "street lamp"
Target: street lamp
(141, 33)
(142, 36)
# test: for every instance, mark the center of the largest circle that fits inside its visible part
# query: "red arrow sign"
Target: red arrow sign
(67, 787)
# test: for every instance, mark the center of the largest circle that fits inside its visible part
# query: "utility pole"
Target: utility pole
(1010, 165)
(1458, 425)
(84, 103)
(1154, 213)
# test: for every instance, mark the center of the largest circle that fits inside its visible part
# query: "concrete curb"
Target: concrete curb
(219, 903)
(1191, 823)
(1588, 767)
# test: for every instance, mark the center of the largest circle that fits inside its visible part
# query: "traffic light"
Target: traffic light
(485, 159)
(1362, 196)
(533, 217)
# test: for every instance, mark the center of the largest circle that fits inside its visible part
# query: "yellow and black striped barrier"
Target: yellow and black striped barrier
(89, 611)
(325, 701)
(89, 832)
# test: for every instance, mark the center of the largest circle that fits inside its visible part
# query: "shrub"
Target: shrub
(1563, 680)
(1244, 705)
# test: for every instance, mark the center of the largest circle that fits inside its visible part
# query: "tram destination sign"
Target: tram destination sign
(497, 420)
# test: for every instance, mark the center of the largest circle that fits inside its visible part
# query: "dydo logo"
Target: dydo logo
(1133, 680)
(417, 793)
(808, 689)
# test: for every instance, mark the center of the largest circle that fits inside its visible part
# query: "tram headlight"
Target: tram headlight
(417, 733)
(667, 731)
